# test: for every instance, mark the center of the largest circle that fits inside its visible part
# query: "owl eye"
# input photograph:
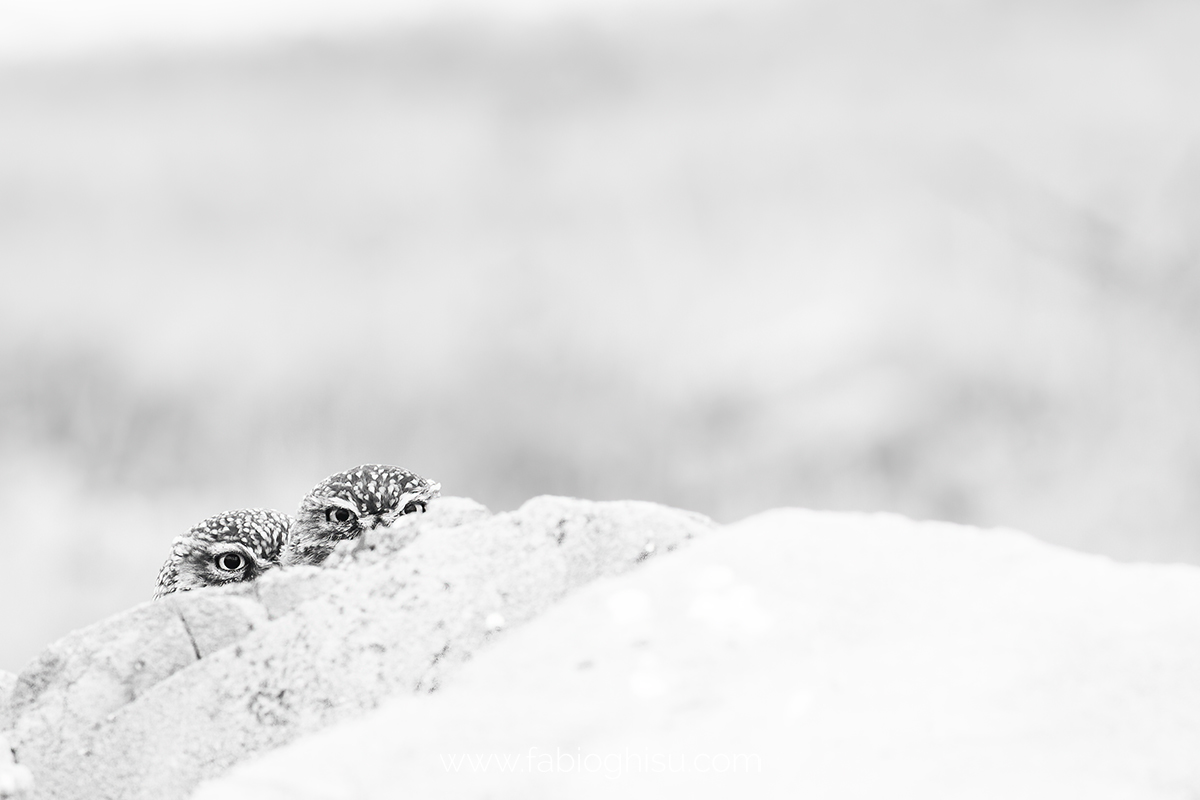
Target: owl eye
(338, 515)
(414, 506)
(231, 562)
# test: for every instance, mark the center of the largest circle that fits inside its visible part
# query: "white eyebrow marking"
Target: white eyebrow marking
(349, 505)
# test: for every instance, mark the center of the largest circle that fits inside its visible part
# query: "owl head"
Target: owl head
(226, 548)
(344, 505)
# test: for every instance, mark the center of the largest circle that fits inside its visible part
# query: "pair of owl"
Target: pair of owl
(240, 545)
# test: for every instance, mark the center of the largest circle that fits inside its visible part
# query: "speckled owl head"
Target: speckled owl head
(342, 506)
(226, 548)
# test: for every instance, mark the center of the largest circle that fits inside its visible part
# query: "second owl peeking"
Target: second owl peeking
(240, 545)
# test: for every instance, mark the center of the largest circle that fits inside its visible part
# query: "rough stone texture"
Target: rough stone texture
(214, 622)
(90, 673)
(10, 779)
(16, 783)
(7, 682)
(148, 703)
(803, 655)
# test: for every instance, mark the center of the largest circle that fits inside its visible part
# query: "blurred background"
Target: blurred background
(931, 257)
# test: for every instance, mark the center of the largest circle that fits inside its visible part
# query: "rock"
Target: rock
(7, 682)
(800, 654)
(11, 777)
(90, 673)
(148, 703)
(16, 782)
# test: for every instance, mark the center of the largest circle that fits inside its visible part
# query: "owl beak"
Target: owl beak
(387, 519)
(373, 521)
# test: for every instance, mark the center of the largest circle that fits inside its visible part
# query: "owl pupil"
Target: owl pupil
(414, 506)
(341, 515)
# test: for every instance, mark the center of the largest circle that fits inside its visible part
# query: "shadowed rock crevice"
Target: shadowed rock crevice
(191, 638)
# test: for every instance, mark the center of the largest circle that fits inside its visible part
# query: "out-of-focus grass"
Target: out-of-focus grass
(930, 258)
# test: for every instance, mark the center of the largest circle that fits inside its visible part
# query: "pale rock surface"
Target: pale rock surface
(13, 780)
(801, 654)
(148, 703)
(7, 682)
(16, 782)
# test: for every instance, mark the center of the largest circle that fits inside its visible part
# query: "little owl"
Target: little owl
(342, 506)
(226, 548)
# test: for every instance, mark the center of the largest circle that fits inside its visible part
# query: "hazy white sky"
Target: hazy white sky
(35, 29)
